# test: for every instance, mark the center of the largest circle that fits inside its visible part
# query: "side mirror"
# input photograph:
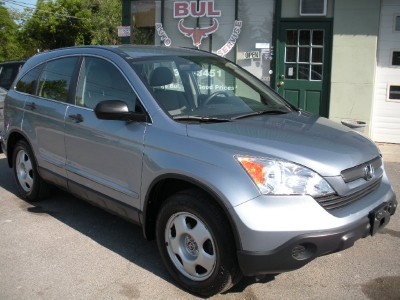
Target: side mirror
(117, 110)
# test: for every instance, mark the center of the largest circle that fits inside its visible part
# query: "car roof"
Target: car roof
(132, 51)
(144, 50)
(126, 52)
(11, 62)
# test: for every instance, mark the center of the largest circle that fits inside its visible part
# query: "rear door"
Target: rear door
(103, 155)
(45, 112)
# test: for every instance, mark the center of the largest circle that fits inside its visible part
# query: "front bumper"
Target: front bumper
(302, 249)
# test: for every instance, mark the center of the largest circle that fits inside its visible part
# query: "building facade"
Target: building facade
(386, 110)
(335, 58)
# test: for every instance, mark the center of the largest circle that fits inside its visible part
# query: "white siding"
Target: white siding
(386, 114)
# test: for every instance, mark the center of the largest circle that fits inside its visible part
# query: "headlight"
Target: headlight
(279, 177)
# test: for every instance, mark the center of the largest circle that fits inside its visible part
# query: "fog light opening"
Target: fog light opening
(304, 251)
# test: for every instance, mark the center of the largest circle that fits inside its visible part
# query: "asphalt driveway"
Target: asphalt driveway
(64, 248)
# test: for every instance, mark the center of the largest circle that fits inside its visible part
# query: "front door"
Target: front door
(303, 65)
(104, 155)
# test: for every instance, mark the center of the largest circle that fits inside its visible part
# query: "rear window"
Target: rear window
(27, 84)
(55, 79)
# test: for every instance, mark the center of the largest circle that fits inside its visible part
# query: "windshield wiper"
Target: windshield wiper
(200, 119)
(261, 112)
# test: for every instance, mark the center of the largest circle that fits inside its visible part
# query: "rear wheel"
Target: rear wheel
(29, 183)
(197, 244)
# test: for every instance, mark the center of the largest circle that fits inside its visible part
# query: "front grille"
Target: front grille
(358, 171)
(333, 202)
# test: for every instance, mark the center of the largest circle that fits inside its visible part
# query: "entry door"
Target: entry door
(304, 65)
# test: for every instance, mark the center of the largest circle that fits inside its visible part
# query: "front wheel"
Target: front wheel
(29, 183)
(197, 244)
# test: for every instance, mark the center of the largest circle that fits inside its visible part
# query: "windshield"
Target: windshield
(206, 86)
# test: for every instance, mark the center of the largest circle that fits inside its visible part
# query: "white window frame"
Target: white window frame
(394, 23)
(388, 91)
(391, 58)
(323, 14)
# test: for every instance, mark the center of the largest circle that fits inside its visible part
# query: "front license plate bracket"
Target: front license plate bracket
(380, 217)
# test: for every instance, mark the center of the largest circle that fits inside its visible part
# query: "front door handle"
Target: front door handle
(31, 106)
(76, 118)
(280, 83)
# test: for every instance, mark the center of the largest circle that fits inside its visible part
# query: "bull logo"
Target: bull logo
(197, 34)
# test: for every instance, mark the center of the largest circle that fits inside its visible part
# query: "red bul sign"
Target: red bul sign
(185, 9)
(198, 9)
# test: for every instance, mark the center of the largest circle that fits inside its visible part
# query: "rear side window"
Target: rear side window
(55, 79)
(100, 80)
(27, 84)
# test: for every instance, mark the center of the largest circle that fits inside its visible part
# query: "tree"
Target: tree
(59, 23)
(9, 45)
(63, 23)
(106, 17)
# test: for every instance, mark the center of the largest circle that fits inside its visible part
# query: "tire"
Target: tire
(196, 243)
(29, 183)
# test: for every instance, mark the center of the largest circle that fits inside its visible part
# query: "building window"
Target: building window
(395, 58)
(393, 92)
(143, 20)
(313, 7)
(397, 23)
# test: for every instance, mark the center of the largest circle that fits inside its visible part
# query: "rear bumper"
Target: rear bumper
(302, 249)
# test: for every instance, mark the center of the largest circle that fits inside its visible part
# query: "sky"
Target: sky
(19, 4)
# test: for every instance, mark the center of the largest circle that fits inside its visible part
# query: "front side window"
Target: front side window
(99, 80)
(211, 87)
(27, 84)
(55, 79)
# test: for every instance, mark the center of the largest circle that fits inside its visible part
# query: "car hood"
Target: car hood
(322, 145)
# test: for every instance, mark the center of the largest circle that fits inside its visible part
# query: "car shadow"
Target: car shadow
(112, 232)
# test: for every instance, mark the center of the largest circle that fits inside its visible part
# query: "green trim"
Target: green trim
(275, 44)
(162, 12)
(126, 19)
(236, 18)
(162, 18)
(319, 20)
(236, 9)
(198, 19)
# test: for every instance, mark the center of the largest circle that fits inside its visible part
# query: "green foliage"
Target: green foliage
(10, 48)
(58, 23)
(55, 89)
(106, 17)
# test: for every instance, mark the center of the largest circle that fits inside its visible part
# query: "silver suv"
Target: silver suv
(227, 176)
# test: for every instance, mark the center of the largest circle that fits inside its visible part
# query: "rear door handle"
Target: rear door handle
(31, 106)
(76, 118)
